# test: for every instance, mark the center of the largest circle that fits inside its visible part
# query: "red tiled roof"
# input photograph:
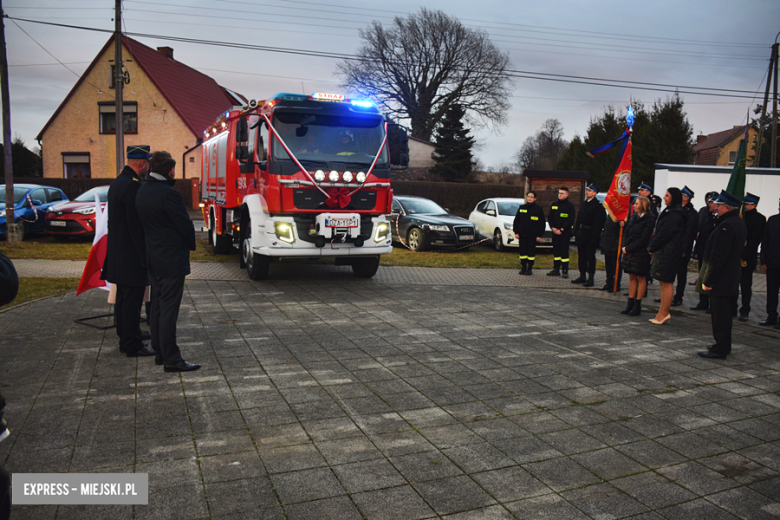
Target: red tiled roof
(195, 97)
(719, 139)
(707, 157)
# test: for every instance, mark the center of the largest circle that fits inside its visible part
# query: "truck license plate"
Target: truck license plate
(57, 223)
(350, 222)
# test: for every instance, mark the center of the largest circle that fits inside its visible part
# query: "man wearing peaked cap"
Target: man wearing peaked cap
(707, 216)
(754, 222)
(645, 190)
(770, 263)
(720, 272)
(125, 264)
(587, 233)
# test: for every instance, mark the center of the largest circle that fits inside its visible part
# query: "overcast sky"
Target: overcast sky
(691, 43)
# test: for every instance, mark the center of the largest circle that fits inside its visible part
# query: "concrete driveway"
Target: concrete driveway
(423, 393)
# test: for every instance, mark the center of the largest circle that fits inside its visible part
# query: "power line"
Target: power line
(560, 78)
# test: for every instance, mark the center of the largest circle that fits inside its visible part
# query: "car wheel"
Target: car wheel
(365, 267)
(498, 240)
(415, 239)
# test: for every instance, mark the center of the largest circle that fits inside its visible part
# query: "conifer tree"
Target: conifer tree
(453, 147)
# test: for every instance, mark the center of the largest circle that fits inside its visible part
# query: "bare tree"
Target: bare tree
(423, 64)
(544, 149)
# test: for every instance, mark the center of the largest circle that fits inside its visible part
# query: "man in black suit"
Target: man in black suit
(755, 223)
(721, 271)
(170, 236)
(587, 233)
(125, 264)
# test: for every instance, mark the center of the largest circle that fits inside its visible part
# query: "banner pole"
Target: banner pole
(617, 265)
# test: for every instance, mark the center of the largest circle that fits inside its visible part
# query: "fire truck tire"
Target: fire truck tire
(416, 239)
(257, 266)
(365, 267)
(220, 244)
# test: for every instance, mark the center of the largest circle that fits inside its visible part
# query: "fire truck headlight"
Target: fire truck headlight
(347, 176)
(382, 231)
(333, 176)
(360, 177)
(284, 232)
(319, 176)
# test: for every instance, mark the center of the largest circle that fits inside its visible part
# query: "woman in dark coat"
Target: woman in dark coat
(636, 259)
(667, 247)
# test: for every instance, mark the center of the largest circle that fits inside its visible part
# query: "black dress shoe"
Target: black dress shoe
(712, 355)
(676, 302)
(145, 334)
(141, 352)
(699, 307)
(657, 300)
(158, 361)
(182, 367)
(709, 347)
(743, 317)
(606, 287)
(768, 322)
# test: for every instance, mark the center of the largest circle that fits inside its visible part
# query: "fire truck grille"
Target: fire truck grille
(314, 199)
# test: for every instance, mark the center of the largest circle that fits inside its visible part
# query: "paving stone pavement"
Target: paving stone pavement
(422, 393)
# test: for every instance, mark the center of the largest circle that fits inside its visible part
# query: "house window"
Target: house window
(107, 112)
(76, 165)
(732, 157)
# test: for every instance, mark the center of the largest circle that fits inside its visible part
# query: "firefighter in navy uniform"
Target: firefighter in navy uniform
(529, 228)
(755, 223)
(587, 233)
(561, 219)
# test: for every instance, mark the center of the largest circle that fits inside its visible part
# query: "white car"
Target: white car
(494, 217)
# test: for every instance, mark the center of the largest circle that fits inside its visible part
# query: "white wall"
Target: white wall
(420, 154)
(764, 182)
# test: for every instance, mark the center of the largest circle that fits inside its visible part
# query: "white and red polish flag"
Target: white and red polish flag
(90, 278)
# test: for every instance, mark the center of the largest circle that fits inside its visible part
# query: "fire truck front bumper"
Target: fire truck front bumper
(285, 237)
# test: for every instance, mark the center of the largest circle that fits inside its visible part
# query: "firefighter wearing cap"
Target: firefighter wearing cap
(755, 223)
(561, 219)
(587, 233)
(770, 263)
(707, 217)
(645, 190)
(720, 272)
(125, 263)
(529, 228)
(691, 229)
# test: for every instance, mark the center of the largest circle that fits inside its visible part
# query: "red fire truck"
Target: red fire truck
(299, 176)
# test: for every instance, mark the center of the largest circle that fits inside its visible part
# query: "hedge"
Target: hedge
(75, 187)
(459, 198)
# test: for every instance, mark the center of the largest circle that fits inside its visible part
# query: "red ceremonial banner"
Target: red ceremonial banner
(618, 199)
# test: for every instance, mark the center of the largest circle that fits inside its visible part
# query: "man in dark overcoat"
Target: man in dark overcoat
(691, 229)
(755, 223)
(170, 236)
(721, 271)
(587, 233)
(529, 228)
(770, 263)
(561, 219)
(125, 263)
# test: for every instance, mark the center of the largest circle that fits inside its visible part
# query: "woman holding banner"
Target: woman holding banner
(636, 259)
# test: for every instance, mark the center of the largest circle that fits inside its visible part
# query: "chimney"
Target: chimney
(167, 51)
(700, 138)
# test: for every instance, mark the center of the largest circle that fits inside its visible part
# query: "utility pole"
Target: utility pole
(773, 161)
(770, 77)
(119, 83)
(13, 232)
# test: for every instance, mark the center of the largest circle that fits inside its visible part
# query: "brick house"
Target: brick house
(720, 148)
(167, 105)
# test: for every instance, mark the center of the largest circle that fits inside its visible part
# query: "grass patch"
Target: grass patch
(56, 248)
(34, 288)
(48, 248)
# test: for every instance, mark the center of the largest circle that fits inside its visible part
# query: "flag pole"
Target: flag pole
(630, 121)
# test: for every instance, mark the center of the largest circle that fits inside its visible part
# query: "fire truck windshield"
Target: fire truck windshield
(330, 138)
